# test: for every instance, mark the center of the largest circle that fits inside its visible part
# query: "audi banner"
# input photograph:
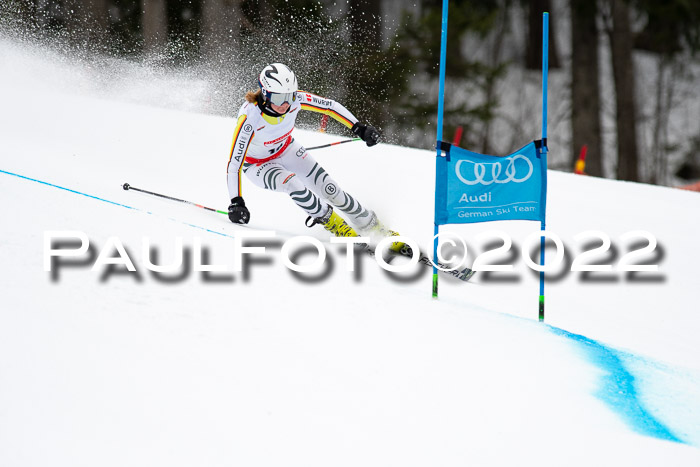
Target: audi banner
(473, 187)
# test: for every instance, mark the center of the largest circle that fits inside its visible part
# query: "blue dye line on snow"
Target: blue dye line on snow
(67, 189)
(618, 388)
(108, 201)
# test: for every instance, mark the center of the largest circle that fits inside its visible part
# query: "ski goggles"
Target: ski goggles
(280, 98)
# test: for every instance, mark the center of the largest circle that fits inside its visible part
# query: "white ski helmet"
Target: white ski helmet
(278, 84)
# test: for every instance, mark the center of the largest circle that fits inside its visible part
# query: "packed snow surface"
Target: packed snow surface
(262, 367)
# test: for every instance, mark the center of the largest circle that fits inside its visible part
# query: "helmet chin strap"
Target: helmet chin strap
(267, 110)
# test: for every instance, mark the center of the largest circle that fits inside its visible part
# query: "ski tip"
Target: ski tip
(466, 274)
(126, 186)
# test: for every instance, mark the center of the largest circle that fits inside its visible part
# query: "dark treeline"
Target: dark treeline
(380, 58)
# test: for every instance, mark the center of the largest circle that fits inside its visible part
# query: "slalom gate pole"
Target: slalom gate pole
(441, 99)
(333, 144)
(545, 68)
(126, 186)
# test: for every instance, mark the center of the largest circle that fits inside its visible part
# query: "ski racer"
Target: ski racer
(266, 151)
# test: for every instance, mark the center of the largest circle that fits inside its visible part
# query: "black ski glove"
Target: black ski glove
(368, 133)
(237, 212)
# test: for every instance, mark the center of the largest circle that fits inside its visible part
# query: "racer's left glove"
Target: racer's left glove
(367, 133)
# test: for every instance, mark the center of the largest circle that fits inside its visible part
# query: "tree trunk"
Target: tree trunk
(365, 24)
(585, 89)
(621, 41)
(87, 20)
(154, 22)
(662, 112)
(364, 18)
(97, 12)
(491, 80)
(221, 20)
(533, 50)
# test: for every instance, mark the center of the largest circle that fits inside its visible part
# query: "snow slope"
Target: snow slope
(110, 367)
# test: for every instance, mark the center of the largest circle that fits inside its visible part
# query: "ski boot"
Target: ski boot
(376, 229)
(333, 223)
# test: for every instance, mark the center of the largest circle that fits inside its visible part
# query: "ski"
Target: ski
(463, 274)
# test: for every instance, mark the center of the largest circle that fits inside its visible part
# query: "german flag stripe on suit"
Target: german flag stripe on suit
(329, 112)
(236, 133)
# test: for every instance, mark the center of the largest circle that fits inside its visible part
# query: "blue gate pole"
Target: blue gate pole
(545, 68)
(441, 98)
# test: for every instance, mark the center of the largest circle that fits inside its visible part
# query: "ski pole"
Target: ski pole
(333, 144)
(126, 186)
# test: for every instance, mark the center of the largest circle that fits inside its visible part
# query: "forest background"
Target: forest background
(624, 74)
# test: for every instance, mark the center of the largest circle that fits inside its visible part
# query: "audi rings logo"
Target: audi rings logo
(482, 175)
